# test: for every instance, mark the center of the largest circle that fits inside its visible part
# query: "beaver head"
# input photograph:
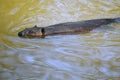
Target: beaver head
(32, 32)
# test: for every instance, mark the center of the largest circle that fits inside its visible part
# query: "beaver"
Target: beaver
(66, 28)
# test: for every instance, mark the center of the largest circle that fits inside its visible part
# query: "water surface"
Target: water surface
(90, 56)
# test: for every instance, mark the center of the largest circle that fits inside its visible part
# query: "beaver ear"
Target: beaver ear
(43, 30)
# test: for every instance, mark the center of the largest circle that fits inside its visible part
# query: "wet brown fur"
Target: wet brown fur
(64, 28)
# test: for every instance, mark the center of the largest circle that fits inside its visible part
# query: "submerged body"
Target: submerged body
(65, 28)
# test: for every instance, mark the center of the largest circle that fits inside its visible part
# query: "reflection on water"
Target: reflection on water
(90, 56)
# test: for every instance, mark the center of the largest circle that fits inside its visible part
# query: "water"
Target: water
(91, 56)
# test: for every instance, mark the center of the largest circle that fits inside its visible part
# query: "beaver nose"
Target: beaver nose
(20, 34)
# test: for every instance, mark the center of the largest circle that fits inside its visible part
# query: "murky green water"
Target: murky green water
(91, 56)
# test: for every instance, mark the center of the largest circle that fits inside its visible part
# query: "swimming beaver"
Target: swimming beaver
(65, 28)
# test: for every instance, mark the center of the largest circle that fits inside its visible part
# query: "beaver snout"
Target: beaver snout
(20, 34)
